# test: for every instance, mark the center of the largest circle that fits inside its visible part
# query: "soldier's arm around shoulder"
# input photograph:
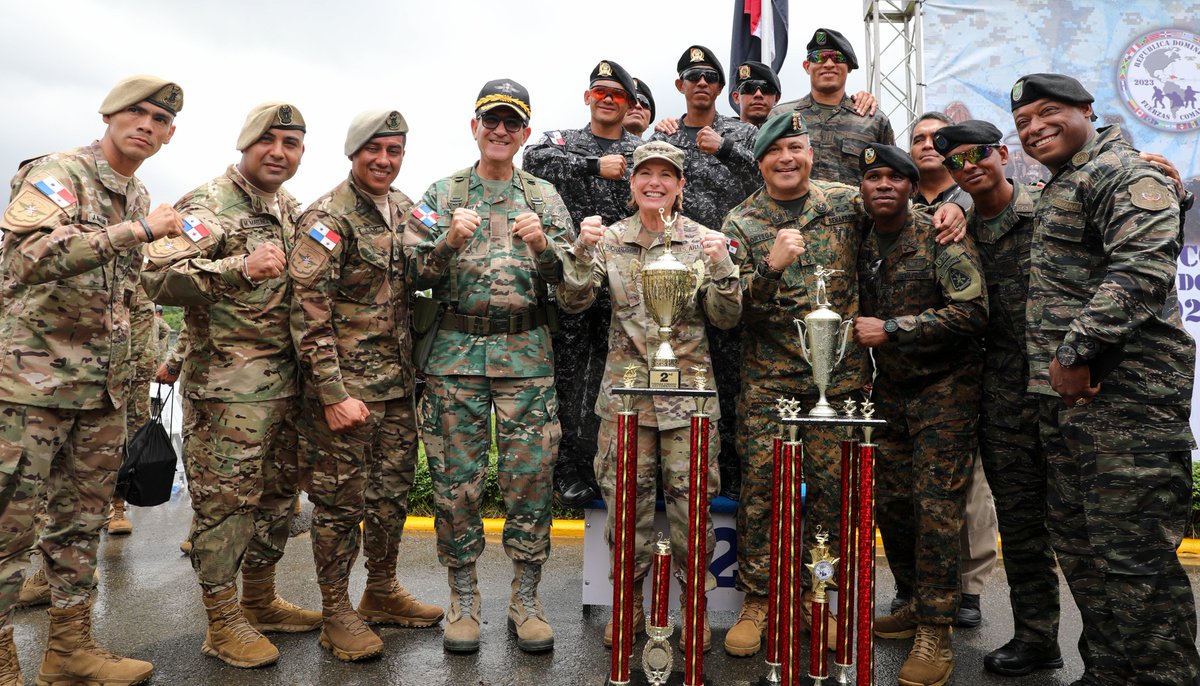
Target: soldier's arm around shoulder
(47, 233)
(425, 239)
(960, 276)
(313, 268)
(737, 152)
(550, 160)
(189, 269)
(559, 230)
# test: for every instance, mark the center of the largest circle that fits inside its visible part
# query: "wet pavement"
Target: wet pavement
(149, 607)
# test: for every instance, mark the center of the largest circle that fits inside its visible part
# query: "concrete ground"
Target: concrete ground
(149, 607)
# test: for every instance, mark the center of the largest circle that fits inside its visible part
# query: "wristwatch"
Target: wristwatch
(1067, 356)
(892, 328)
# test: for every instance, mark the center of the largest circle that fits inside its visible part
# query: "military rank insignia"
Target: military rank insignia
(195, 229)
(425, 215)
(325, 236)
(58, 193)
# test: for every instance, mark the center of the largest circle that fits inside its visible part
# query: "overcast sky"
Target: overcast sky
(333, 60)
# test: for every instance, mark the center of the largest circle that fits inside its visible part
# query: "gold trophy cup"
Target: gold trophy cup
(667, 289)
(819, 334)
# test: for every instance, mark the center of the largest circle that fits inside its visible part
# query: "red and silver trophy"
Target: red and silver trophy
(823, 569)
(657, 658)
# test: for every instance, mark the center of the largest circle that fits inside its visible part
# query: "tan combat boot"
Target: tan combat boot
(186, 547)
(35, 590)
(900, 624)
(525, 616)
(118, 523)
(73, 657)
(683, 636)
(266, 611)
(745, 637)
(461, 633)
(831, 632)
(932, 658)
(230, 637)
(385, 601)
(10, 668)
(343, 632)
(639, 616)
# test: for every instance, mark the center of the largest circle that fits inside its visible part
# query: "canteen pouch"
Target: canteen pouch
(426, 319)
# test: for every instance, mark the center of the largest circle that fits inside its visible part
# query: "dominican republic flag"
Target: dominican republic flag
(195, 229)
(425, 215)
(56, 192)
(325, 236)
(760, 33)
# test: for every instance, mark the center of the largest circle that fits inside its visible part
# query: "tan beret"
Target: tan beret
(269, 115)
(374, 124)
(135, 89)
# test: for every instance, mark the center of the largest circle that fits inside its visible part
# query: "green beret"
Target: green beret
(165, 94)
(658, 150)
(269, 115)
(780, 126)
(1034, 87)
(890, 157)
(374, 124)
(974, 131)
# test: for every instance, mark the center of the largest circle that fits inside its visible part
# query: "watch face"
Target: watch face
(823, 570)
(1067, 356)
(891, 326)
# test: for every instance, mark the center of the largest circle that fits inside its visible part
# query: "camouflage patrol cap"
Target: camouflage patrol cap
(504, 93)
(828, 39)
(698, 56)
(1034, 87)
(782, 126)
(888, 156)
(607, 70)
(973, 131)
(643, 89)
(756, 71)
(269, 115)
(373, 124)
(134, 89)
(658, 150)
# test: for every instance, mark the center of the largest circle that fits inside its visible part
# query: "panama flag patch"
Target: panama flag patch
(195, 229)
(556, 137)
(56, 192)
(425, 215)
(325, 236)
(733, 246)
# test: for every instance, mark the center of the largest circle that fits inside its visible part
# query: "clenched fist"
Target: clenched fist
(612, 167)
(528, 227)
(463, 224)
(788, 247)
(164, 222)
(591, 230)
(266, 262)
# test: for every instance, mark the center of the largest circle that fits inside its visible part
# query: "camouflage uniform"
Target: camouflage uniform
(581, 343)
(497, 279)
(350, 322)
(1105, 242)
(772, 364)
(68, 279)
(1013, 458)
(838, 135)
(927, 387)
(664, 422)
(715, 185)
(240, 375)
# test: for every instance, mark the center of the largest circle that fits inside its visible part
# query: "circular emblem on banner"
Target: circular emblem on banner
(1159, 79)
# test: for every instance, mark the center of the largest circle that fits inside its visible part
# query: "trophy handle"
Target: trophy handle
(803, 340)
(845, 339)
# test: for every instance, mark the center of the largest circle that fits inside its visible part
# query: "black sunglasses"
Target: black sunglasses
(696, 73)
(511, 124)
(749, 86)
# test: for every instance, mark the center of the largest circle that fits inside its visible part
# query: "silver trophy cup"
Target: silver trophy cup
(820, 331)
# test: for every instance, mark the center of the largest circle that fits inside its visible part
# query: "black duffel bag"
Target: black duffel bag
(148, 472)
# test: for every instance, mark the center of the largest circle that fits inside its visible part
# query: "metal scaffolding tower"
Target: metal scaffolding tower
(895, 60)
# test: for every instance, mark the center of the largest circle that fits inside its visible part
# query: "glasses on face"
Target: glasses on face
(973, 155)
(618, 95)
(642, 102)
(694, 75)
(511, 124)
(750, 86)
(819, 56)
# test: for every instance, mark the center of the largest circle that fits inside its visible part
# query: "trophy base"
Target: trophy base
(823, 411)
(638, 678)
(667, 378)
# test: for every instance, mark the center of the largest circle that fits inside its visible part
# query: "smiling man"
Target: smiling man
(489, 244)
(241, 382)
(641, 110)
(1114, 372)
(73, 234)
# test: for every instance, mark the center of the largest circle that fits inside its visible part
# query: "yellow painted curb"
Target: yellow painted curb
(571, 528)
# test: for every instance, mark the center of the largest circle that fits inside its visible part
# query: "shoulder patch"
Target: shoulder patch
(1149, 194)
(29, 210)
(556, 138)
(57, 192)
(196, 231)
(325, 236)
(168, 250)
(425, 214)
(307, 261)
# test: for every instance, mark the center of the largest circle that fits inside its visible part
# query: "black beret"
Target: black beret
(699, 55)
(828, 39)
(975, 131)
(756, 71)
(504, 93)
(874, 156)
(607, 70)
(643, 89)
(1033, 87)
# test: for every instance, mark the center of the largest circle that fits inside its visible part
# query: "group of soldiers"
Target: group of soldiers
(1034, 326)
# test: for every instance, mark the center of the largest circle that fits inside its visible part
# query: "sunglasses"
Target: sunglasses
(750, 86)
(642, 102)
(695, 74)
(511, 124)
(973, 155)
(819, 56)
(618, 95)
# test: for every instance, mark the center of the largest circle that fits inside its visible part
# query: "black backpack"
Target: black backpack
(148, 472)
